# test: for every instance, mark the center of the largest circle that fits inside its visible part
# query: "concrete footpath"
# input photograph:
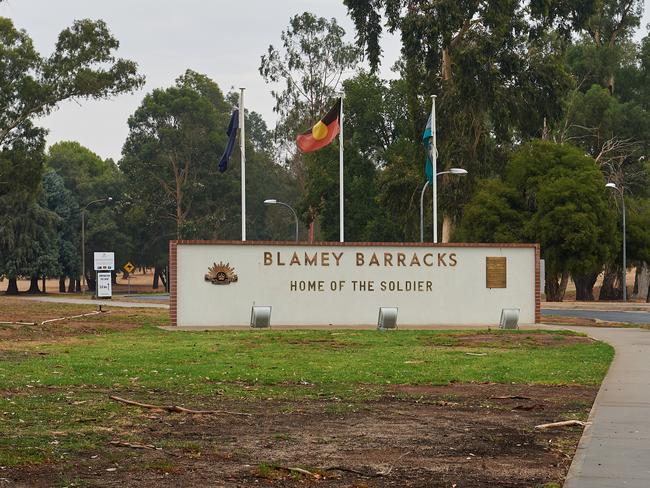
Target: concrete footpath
(614, 450)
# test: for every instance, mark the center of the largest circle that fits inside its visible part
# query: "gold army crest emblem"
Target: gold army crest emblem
(221, 274)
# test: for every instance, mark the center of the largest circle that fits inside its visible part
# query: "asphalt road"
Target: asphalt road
(610, 316)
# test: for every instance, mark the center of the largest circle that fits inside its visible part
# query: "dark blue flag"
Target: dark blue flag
(232, 135)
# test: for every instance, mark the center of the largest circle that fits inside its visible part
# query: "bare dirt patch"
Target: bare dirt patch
(30, 315)
(582, 321)
(505, 341)
(414, 437)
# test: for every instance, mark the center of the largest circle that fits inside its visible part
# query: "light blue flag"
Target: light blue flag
(427, 140)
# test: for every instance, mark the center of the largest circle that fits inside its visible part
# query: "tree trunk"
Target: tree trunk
(446, 64)
(33, 285)
(156, 278)
(43, 284)
(12, 286)
(91, 283)
(552, 289)
(71, 287)
(610, 84)
(585, 286)
(447, 227)
(563, 284)
(163, 277)
(612, 288)
(77, 285)
(62, 284)
(555, 289)
(642, 281)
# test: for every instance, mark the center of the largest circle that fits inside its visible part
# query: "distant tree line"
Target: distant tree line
(542, 103)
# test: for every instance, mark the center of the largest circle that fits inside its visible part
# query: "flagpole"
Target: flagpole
(242, 147)
(341, 194)
(434, 164)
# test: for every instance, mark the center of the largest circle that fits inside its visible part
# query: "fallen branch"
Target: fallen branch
(74, 316)
(534, 406)
(476, 353)
(565, 423)
(18, 323)
(134, 445)
(177, 409)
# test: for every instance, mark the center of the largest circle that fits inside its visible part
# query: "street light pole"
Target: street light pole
(83, 240)
(613, 185)
(452, 171)
(273, 201)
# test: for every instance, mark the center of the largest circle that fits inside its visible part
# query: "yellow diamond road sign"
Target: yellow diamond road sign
(128, 267)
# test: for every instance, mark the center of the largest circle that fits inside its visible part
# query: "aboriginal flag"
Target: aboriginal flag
(325, 130)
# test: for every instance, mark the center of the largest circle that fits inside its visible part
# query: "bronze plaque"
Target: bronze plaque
(495, 268)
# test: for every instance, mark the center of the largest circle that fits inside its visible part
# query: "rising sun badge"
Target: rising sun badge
(221, 274)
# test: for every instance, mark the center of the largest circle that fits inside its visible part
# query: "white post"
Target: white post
(434, 163)
(341, 194)
(83, 283)
(242, 147)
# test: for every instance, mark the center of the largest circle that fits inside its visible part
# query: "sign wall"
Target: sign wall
(217, 283)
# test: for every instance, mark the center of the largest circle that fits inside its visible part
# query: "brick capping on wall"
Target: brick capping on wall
(173, 247)
(538, 292)
(173, 289)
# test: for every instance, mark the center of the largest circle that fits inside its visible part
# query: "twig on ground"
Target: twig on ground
(347, 470)
(177, 409)
(510, 397)
(378, 474)
(564, 423)
(534, 406)
(301, 471)
(390, 468)
(133, 445)
(476, 353)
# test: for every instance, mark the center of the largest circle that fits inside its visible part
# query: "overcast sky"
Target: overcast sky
(221, 38)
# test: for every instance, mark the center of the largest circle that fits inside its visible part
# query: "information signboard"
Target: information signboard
(104, 285)
(104, 261)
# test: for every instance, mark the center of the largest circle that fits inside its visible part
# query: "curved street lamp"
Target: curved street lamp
(273, 201)
(451, 171)
(613, 186)
(83, 238)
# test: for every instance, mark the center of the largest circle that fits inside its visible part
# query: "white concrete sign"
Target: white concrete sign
(104, 261)
(216, 284)
(104, 285)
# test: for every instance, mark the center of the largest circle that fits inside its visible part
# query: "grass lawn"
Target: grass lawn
(54, 388)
